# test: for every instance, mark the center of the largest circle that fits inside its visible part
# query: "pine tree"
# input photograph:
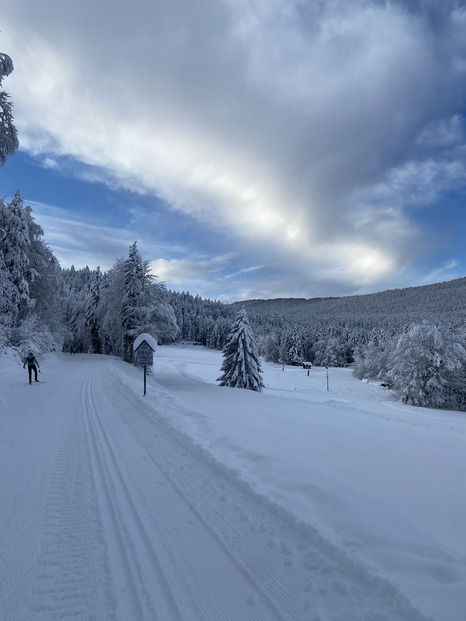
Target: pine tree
(241, 366)
(15, 248)
(8, 136)
(427, 363)
(9, 295)
(144, 307)
(271, 349)
(136, 281)
(329, 352)
(290, 348)
(92, 318)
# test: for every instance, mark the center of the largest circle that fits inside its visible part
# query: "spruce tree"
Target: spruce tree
(241, 366)
(15, 247)
(8, 135)
(92, 315)
(427, 366)
(133, 313)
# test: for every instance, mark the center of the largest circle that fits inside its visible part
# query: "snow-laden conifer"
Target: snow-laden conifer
(241, 366)
(143, 306)
(8, 135)
(427, 366)
(271, 351)
(135, 308)
(92, 319)
(15, 248)
(290, 348)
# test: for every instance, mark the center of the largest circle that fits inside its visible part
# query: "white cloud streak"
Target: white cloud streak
(79, 243)
(299, 128)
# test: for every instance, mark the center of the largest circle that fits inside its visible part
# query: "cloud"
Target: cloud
(245, 270)
(196, 270)
(443, 273)
(443, 133)
(289, 128)
(414, 184)
(79, 242)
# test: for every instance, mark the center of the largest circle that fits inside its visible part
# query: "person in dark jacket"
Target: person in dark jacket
(33, 365)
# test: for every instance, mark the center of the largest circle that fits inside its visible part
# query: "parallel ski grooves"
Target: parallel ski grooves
(69, 579)
(124, 534)
(162, 545)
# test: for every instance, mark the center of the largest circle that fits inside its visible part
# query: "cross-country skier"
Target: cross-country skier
(33, 365)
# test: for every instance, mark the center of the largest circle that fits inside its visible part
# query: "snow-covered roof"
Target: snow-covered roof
(145, 337)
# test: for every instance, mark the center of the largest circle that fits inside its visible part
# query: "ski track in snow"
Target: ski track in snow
(138, 523)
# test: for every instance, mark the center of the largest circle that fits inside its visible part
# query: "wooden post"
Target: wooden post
(145, 375)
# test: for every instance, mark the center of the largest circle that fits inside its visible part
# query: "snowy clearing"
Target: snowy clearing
(205, 503)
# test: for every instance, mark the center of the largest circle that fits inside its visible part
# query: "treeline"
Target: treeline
(104, 313)
(45, 308)
(412, 340)
(424, 365)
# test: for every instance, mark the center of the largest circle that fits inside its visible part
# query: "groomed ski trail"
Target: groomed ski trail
(120, 516)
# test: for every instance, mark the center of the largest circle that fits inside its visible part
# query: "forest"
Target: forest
(412, 340)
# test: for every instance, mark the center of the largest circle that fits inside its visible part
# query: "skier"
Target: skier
(33, 365)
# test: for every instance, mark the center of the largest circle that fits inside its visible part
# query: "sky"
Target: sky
(253, 148)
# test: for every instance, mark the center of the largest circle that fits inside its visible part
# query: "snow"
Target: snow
(202, 502)
(150, 340)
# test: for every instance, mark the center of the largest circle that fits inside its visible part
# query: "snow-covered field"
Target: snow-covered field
(203, 503)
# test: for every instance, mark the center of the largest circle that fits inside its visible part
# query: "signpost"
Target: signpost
(144, 355)
(144, 347)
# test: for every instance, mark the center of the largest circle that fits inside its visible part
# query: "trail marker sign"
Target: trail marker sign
(144, 355)
(144, 347)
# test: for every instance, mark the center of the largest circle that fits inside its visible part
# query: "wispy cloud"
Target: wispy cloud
(449, 271)
(78, 242)
(246, 270)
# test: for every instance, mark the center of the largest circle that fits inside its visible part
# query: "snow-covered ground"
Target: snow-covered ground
(203, 503)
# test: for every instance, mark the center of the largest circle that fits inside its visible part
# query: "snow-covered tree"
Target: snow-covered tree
(425, 365)
(143, 306)
(15, 248)
(330, 352)
(44, 274)
(219, 334)
(271, 350)
(241, 365)
(30, 279)
(92, 319)
(8, 136)
(371, 361)
(33, 334)
(290, 348)
(136, 281)
(9, 295)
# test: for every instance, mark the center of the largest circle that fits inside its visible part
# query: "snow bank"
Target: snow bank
(150, 340)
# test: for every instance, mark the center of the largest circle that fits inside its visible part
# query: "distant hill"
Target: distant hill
(442, 301)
